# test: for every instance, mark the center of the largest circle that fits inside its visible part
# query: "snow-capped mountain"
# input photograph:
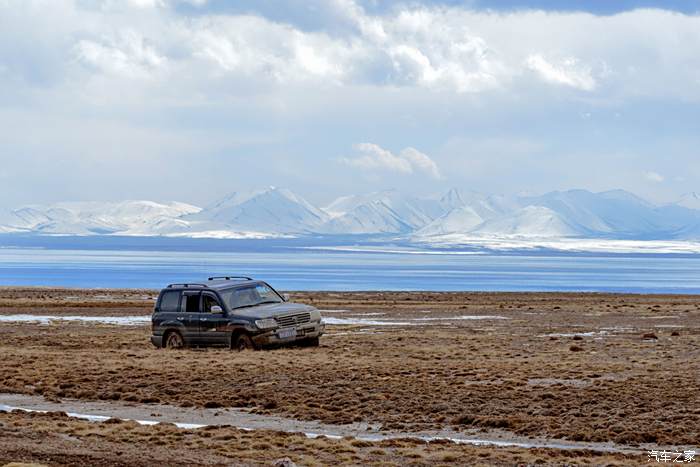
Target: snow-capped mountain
(573, 213)
(530, 221)
(273, 210)
(457, 220)
(90, 218)
(610, 212)
(455, 214)
(689, 200)
(465, 211)
(381, 212)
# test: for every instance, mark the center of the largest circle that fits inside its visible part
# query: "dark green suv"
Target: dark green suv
(235, 312)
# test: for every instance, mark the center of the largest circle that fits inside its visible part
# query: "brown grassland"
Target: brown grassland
(556, 366)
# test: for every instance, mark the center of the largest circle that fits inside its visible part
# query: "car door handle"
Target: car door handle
(202, 319)
(180, 319)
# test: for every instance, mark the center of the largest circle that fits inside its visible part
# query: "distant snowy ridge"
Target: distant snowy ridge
(689, 200)
(455, 216)
(381, 212)
(94, 218)
(273, 210)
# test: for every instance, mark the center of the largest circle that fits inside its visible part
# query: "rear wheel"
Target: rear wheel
(243, 342)
(174, 340)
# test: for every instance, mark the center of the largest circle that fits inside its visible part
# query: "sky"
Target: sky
(189, 100)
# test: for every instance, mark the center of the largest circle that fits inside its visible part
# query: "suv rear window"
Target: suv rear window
(190, 302)
(169, 301)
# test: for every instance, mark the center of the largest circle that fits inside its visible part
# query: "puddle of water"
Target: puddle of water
(573, 334)
(409, 322)
(101, 418)
(463, 317)
(190, 418)
(367, 322)
(578, 383)
(146, 319)
(350, 333)
(47, 319)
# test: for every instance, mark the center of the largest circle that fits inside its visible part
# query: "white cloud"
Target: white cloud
(373, 157)
(421, 161)
(146, 3)
(654, 177)
(569, 72)
(261, 86)
(129, 55)
(444, 49)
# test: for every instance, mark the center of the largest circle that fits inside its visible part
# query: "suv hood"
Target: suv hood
(270, 310)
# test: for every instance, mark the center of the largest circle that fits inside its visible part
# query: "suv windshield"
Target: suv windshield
(250, 296)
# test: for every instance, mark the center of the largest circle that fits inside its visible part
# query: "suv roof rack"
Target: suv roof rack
(187, 285)
(228, 278)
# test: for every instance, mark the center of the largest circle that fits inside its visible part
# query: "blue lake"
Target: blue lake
(294, 265)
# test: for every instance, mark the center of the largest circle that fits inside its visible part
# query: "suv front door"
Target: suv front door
(213, 324)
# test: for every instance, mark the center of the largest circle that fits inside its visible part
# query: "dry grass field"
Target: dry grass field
(588, 368)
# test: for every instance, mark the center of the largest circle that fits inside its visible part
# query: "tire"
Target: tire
(242, 342)
(173, 340)
(311, 342)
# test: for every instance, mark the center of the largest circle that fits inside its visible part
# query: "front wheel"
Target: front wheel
(243, 342)
(311, 342)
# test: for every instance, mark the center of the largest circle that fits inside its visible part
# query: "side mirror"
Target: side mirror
(285, 296)
(216, 309)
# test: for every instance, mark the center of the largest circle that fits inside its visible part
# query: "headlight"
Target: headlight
(267, 323)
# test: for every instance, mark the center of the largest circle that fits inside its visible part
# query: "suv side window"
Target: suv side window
(189, 302)
(208, 301)
(169, 301)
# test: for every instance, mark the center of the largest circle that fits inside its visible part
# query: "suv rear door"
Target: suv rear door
(213, 325)
(189, 314)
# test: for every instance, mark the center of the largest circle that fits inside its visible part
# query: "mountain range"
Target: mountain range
(275, 212)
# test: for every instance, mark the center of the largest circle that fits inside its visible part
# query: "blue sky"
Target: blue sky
(192, 99)
(599, 7)
(285, 10)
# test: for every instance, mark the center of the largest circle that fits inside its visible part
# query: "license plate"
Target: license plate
(287, 333)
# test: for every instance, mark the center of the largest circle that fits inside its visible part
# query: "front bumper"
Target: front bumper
(304, 331)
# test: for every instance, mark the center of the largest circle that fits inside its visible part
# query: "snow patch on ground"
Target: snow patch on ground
(574, 245)
(229, 235)
(47, 319)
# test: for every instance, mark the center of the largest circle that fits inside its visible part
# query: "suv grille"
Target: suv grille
(293, 320)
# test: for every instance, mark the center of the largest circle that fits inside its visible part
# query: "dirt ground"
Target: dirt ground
(548, 365)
